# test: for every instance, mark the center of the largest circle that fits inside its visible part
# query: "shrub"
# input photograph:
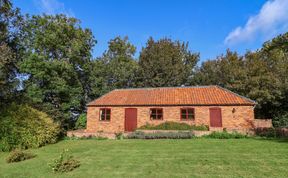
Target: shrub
(272, 132)
(81, 121)
(160, 135)
(65, 163)
(280, 120)
(18, 155)
(225, 135)
(173, 126)
(24, 127)
(119, 136)
(85, 138)
(200, 127)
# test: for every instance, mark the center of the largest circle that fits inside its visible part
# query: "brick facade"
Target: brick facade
(233, 117)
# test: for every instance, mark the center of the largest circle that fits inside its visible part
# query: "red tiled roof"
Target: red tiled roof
(202, 95)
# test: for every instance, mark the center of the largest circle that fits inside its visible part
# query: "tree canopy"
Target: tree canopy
(165, 63)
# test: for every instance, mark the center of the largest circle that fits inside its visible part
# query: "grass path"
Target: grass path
(159, 158)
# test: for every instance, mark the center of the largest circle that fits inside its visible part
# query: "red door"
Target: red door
(130, 119)
(215, 117)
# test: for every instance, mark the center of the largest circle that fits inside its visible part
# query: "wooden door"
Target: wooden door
(215, 117)
(130, 119)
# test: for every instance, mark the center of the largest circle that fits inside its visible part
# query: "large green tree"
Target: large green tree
(10, 25)
(166, 63)
(226, 71)
(57, 53)
(119, 64)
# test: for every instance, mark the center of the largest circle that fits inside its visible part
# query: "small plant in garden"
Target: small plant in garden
(18, 155)
(86, 138)
(225, 135)
(81, 121)
(173, 126)
(65, 163)
(119, 136)
(160, 135)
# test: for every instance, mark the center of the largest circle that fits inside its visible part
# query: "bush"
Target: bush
(119, 136)
(85, 138)
(225, 135)
(18, 155)
(160, 135)
(280, 120)
(173, 126)
(81, 121)
(200, 127)
(24, 127)
(65, 163)
(272, 132)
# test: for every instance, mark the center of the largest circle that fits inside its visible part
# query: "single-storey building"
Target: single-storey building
(128, 109)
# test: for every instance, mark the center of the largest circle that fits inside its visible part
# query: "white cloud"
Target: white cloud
(52, 7)
(272, 19)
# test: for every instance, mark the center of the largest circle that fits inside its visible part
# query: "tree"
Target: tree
(226, 71)
(10, 25)
(57, 51)
(8, 82)
(120, 66)
(275, 54)
(166, 63)
(261, 85)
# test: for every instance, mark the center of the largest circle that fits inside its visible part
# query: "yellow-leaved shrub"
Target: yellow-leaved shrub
(22, 126)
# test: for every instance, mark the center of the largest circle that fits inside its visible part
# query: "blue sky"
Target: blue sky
(210, 26)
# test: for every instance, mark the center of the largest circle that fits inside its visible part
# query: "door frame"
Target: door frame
(219, 109)
(125, 118)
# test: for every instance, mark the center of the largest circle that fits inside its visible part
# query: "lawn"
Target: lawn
(159, 158)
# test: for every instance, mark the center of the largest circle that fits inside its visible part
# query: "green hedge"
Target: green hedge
(173, 126)
(21, 126)
(160, 135)
(225, 135)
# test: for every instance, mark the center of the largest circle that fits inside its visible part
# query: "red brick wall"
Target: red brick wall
(242, 118)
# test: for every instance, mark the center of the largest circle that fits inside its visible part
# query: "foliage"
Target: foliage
(8, 82)
(280, 132)
(281, 120)
(57, 51)
(24, 127)
(160, 135)
(10, 25)
(120, 66)
(85, 138)
(119, 136)
(65, 163)
(18, 155)
(173, 126)
(165, 63)
(81, 121)
(225, 135)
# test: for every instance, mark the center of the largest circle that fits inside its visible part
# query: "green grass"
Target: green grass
(159, 158)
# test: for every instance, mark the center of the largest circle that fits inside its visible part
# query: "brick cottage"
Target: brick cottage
(128, 109)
